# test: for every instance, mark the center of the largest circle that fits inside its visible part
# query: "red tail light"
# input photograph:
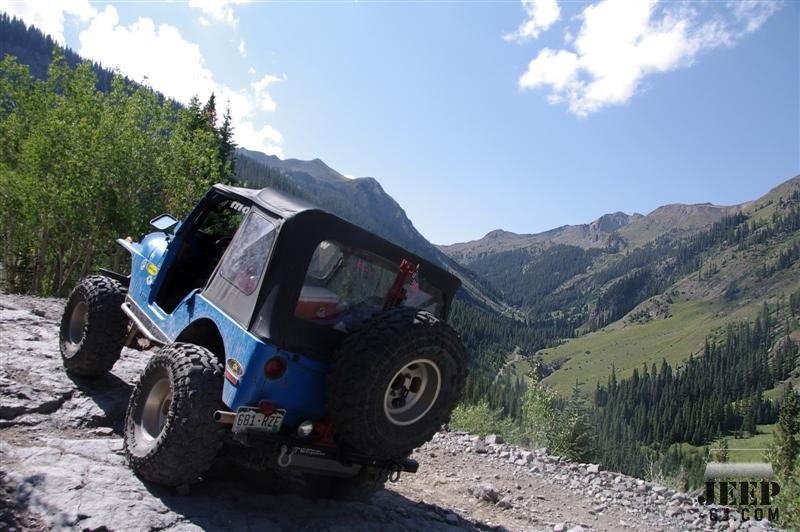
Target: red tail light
(275, 368)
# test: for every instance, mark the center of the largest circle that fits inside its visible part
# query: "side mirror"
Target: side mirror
(163, 222)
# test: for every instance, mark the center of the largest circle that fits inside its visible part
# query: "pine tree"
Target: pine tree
(787, 433)
(227, 146)
(723, 455)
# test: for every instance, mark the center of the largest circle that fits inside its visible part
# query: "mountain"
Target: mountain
(638, 289)
(616, 229)
(548, 272)
(33, 48)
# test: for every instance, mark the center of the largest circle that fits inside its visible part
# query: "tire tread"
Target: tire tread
(104, 334)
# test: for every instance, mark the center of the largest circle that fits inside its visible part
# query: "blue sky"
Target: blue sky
(476, 116)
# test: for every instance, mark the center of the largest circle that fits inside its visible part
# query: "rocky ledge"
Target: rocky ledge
(61, 467)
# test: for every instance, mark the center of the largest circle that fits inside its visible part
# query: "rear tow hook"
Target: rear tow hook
(394, 474)
(285, 458)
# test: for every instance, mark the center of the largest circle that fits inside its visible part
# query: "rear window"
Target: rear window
(344, 286)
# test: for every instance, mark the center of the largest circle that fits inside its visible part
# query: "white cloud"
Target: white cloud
(160, 57)
(251, 71)
(266, 139)
(622, 41)
(49, 16)
(218, 10)
(541, 15)
(242, 49)
(753, 13)
(349, 176)
(143, 50)
(262, 97)
(203, 21)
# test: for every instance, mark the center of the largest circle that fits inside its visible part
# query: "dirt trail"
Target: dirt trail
(61, 467)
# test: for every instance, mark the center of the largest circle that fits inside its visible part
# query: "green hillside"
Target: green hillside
(660, 285)
(731, 282)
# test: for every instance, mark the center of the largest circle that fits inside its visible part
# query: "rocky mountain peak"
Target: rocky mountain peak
(499, 233)
(608, 223)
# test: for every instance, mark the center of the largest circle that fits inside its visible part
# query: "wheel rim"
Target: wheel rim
(156, 410)
(412, 392)
(77, 322)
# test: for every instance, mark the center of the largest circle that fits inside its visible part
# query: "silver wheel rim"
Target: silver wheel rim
(156, 410)
(412, 392)
(77, 322)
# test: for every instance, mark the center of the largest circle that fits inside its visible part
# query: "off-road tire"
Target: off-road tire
(93, 327)
(359, 487)
(185, 446)
(367, 363)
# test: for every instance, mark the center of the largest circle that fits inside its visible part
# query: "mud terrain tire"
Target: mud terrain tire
(93, 327)
(171, 437)
(395, 382)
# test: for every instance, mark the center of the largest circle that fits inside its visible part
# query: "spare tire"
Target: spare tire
(394, 383)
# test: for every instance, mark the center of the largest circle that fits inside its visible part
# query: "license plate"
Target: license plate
(249, 418)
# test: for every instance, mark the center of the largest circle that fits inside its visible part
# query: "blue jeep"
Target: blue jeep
(281, 328)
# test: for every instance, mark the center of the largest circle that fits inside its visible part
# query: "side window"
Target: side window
(248, 254)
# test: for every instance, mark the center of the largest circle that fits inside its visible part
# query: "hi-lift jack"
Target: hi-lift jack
(397, 294)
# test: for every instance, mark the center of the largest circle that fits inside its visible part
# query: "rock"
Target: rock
(493, 439)
(485, 492)
(593, 468)
(560, 527)
(103, 431)
(577, 529)
(527, 457)
(479, 446)
(506, 502)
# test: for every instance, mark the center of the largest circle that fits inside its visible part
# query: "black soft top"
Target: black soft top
(302, 226)
(286, 207)
(279, 204)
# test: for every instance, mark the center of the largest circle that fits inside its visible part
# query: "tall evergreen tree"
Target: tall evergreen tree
(787, 433)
